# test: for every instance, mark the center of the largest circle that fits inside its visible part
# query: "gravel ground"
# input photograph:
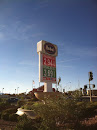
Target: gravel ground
(7, 125)
(90, 121)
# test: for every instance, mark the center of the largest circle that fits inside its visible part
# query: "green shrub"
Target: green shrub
(5, 116)
(13, 117)
(34, 99)
(20, 103)
(23, 117)
(29, 105)
(56, 113)
(0, 99)
(10, 110)
(25, 123)
(22, 98)
(4, 106)
(8, 113)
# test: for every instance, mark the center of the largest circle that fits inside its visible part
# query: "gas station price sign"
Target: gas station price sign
(47, 61)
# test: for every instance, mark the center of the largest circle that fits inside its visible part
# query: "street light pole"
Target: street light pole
(2, 90)
(26, 91)
(65, 88)
(17, 90)
(32, 85)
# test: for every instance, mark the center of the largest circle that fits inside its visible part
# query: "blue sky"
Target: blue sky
(70, 24)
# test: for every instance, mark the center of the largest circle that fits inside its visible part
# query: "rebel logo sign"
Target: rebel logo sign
(49, 48)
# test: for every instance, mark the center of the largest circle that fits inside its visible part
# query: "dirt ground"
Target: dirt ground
(7, 125)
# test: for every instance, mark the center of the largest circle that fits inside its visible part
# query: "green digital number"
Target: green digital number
(49, 72)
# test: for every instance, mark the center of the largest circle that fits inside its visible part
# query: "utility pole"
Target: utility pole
(2, 90)
(32, 84)
(39, 82)
(15, 91)
(26, 91)
(79, 87)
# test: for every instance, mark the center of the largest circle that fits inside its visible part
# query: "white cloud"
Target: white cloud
(2, 26)
(65, 66)
(37, 34)
(19, 31)
(25, 63)
(68, 60)
(42, 4)
(29, 63)
(79, 51)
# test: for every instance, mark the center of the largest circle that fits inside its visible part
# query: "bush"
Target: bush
(10, 110)
(0, 99)
(13, 117)
(29, 105)
(5, 116)
(4, 106)
(34, 99)
(27, 124)
(23, 117)
(20, 103)
(57, 112)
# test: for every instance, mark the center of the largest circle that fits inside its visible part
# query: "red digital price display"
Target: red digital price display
(49, 60)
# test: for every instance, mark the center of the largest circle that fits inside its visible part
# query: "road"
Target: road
(87, 98)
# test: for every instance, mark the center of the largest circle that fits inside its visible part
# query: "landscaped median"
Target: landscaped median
(59, 112)
(56, 113)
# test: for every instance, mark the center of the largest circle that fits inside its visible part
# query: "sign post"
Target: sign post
(90, 78)
(47, 64)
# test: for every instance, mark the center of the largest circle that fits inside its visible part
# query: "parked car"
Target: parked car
(12, 100)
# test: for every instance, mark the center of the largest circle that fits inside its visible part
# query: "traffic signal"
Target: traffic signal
(93, 85)
(85, 86)
(90, 76)
(63, 90)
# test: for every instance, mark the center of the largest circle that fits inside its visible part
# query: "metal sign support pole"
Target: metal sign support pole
(32, 85)
(90, 92)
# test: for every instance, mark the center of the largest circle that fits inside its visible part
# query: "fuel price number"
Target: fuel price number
(49, 61)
